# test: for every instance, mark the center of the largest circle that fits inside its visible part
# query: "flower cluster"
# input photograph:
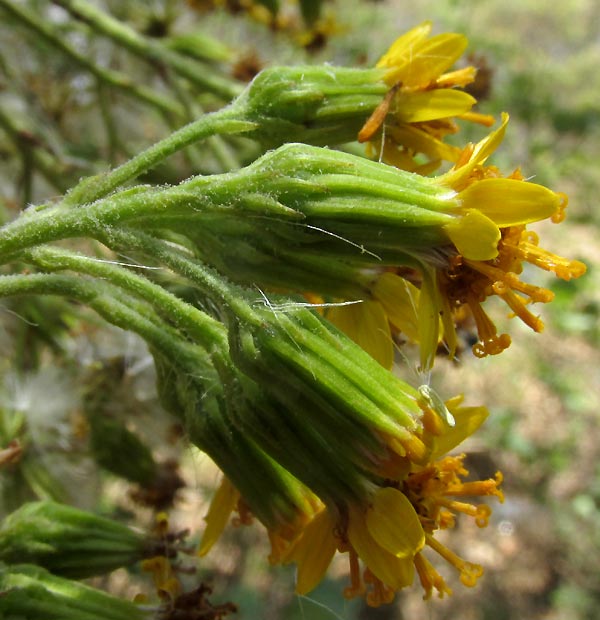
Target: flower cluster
(295, 276)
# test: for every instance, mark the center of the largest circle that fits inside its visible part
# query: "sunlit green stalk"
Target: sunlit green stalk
(201, 328)
(112, 305)
(222, 122)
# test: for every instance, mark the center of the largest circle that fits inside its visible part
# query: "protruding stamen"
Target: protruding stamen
(379, 594)
(356, 587)
(490, 343)
(469, 572)
(496, 275)
(478, 488)
(430, 578)
(562, 267)
(517, 305)
(480, 513)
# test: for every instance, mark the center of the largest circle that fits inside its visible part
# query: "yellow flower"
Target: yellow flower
(389, 535)
(493, 245)
(423, 99)
(490, 245)
(387, 526)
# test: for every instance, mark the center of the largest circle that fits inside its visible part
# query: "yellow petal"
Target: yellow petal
(510, 202)
(367, 324)
(474, 234)
(432, 58)
(400, 300)
(490, 143)
(468, 420)
(457, 178)
(415, 60)
(393, 571)
(313, 552)
(221, 507)
(400, 49)
(394, 524)
(431, 105)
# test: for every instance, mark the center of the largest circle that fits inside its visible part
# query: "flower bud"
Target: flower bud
(320, 405)
(70, 542)
(29, 593)
(314, 104)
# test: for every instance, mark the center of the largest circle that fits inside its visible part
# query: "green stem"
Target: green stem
(107, 302)
(226, 295)
(225, 121)
(151, 50)
(112, 78)
(54, 223)
(205, 330)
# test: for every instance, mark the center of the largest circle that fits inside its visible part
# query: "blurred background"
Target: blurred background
(62, 370)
